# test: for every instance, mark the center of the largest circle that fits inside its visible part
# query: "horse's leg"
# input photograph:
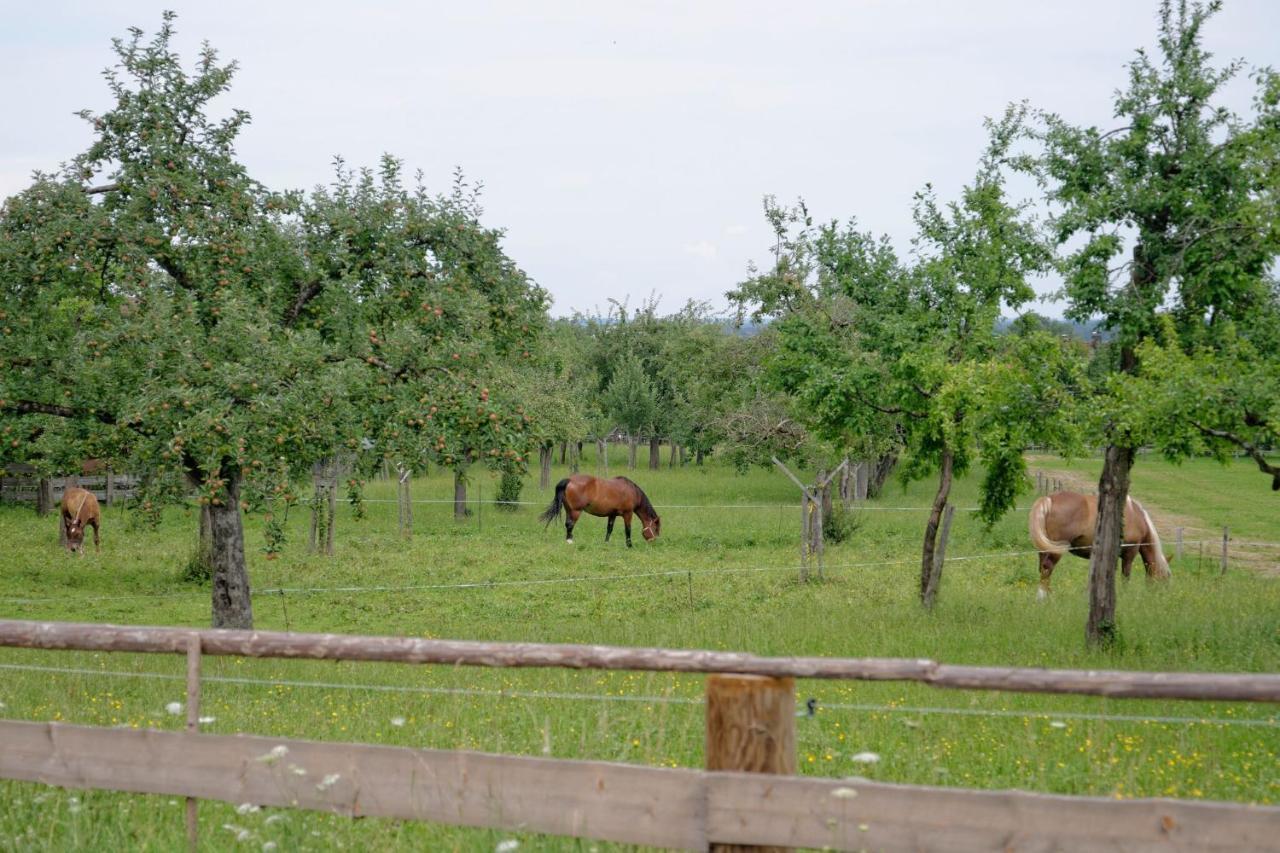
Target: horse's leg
(570, 519)
(626, 520)
(1047, 562)
(96, 549)
(1127, 553)
(608, 531)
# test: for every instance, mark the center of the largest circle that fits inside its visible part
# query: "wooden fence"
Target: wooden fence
(24, 486)
(751, 719)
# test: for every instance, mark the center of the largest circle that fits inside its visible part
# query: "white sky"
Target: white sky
(624, 146)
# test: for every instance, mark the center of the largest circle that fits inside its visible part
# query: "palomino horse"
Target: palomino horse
(605, 498)
(1065, 521)
(79, 510)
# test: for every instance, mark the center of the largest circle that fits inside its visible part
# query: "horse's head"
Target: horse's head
(651, 529)
(74, 529)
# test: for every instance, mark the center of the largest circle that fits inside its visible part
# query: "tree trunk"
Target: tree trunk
(602, 454)
(544, 466)
(698, 456)
(459, 494)
(205, 545)
(935, 518)
(877, 478)
(655, 452)
(671, 458)
(44, 496)
(824, 493)
(564, 450)
(847, 477)
(1113, 489)
(632, 441)
(232, 605)
(862, 481)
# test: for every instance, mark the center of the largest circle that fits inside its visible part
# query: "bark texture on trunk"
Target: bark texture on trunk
(1113, 490)
(631, 452)
(544, 466)
(232, 605)
(655, 451)
(883, 468)
(935, 518)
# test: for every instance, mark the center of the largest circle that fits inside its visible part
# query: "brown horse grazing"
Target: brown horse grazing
(605, 498)
(1065, 521)
(79, 510)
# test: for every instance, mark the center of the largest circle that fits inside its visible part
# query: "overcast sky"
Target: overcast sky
(624, 146)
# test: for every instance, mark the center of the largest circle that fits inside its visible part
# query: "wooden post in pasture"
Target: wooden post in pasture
(110, 487)
(751, 728)
(193, 725)
(861, 480)
(939, 557)
(1226, 538)
(811, 541)
(1177, 545)
(404, 501)
(44, 496)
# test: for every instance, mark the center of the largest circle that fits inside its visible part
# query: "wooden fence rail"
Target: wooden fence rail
(1244, 687)
(750, 727)
(677, 808)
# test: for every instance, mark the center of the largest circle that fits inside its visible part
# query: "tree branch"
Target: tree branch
(1253, 450)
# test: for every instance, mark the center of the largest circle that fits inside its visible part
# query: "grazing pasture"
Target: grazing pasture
(723, 575)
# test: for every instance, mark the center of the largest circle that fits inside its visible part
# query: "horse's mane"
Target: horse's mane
(645, 505)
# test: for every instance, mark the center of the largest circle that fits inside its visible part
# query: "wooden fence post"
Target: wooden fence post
(193, 725)
(1226, 537)
(751, 728)
(405, 502)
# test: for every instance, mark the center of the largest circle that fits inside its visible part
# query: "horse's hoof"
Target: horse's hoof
(568, 541)
(1041, 595)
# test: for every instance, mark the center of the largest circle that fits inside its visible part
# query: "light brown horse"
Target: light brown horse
(79, 510)
(605, 498)
(1065, 521)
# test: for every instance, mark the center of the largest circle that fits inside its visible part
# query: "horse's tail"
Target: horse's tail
(1162, 570)
(1036, 524)
(553, 511)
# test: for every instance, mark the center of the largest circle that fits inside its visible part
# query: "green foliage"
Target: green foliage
(509, 487)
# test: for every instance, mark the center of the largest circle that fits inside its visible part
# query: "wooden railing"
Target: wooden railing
(750, 715)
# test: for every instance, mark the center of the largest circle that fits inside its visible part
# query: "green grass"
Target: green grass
(735, 586)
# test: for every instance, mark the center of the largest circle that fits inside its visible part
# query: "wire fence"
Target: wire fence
(808, 708)
(532, 582)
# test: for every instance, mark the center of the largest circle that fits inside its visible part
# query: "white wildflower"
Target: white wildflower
(268, 846)
(328, 782)
(275, 818)
(862, 827)
(247, 808)
(275, 754)
(1057, 724)
(243, 835)
(297, 771)
(844, 793)
(865, 758)
(397, 721)
(204, 721)
(174, 708)
(73, 805)
(506, 846)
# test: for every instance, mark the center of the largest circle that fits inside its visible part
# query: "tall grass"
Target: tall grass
(718, 578)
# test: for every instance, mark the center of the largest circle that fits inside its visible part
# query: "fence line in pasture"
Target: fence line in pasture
(750, 730)
(664, 506)
(1245, 687)
(495, 584)
(867, 707)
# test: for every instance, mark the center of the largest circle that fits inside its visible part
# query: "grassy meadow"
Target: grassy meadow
(724, 576)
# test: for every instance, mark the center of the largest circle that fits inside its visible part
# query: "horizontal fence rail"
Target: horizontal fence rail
(675, 808)
(1245, 687)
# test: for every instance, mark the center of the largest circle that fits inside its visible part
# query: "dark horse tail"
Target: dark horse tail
(553, 511)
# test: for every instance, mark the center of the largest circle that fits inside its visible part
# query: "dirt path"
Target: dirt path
(1261, 557)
